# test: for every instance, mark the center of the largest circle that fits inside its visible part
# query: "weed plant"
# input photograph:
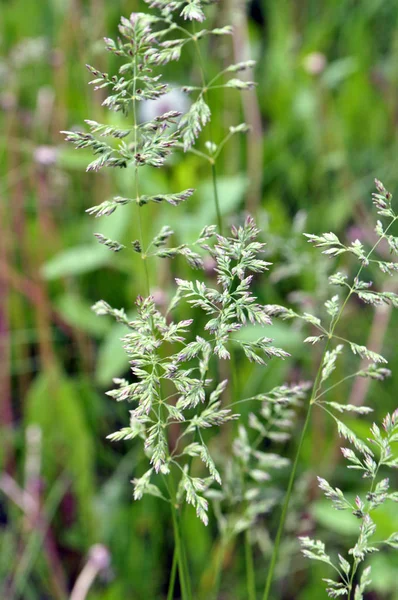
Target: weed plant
(199, 450)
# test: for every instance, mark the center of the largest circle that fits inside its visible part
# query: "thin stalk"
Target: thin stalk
(183, 571)
(218, 569)
(314, 396)
(170, 593)
(137, 190)
(181, 557)
(250, 576)
(177, 549)
(293, 472)
(216, 198)
(354, 570)
(213, 164)
(286, 506)
(179, 553)
(356, 563)
(143, 255)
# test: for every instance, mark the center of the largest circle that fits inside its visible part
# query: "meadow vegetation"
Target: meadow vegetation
(198, 366)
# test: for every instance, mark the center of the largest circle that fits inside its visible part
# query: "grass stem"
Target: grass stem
(216, 198)
(219, 559)
(250, 574)
(285, 507)
(179, 550)
(314, 395)
(213, 164)
(170, 593)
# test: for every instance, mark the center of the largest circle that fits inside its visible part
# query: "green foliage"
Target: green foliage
(226, 311)
(378, 493)
(318, 164)
(66, 435)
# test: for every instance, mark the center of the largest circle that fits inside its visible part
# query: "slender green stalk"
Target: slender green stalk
(213, 163)
(137, 190)
(285, 507)
(350, 585)
(184, 560)
(183, 571)
(143, 255)
(170, 593)
(250, 576)
(216, 198)
(313, 399)
(293, 472)
(179, 556)
(218, 568)
(181, 563)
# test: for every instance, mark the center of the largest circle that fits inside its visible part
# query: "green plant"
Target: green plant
(156, 365)
(176, 379)
(334, 344)
(378, 493)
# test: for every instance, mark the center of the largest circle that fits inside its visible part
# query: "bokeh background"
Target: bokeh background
(324, 120)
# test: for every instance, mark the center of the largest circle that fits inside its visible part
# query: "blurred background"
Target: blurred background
(324, 120)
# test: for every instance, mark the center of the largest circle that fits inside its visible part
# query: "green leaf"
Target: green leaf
(112, 359)
(54, 404)
(339, 70)
(76, 261)
(78, 313)
(342, 523)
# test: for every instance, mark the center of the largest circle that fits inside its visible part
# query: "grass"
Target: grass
(325, 137)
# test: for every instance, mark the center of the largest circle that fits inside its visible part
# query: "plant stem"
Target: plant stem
(172, 580)
(218, 568)
(286, 506)
(183, 571)
(185, 584)
(216, 199)
(179, 556)
(137, 186)
(250, 576)
(314, 395)
(213, 164)
(354, 570)
(293, 472)
(143, 255)
(177, 550)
